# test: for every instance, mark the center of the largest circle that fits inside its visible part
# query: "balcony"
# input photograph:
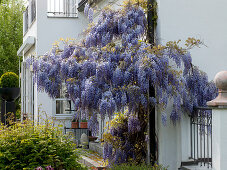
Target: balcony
(62, 8)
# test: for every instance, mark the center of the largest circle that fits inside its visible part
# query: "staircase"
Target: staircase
(195, 165)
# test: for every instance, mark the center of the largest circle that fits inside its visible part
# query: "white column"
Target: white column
(219, 123)
(219, 139)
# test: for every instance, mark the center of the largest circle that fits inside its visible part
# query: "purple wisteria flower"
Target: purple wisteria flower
(90, 14)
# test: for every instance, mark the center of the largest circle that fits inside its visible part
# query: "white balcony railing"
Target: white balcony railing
(62, 8)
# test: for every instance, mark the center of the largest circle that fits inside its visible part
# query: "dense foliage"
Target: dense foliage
(114, 67)
(9, 79)
(11, 34)
(28, 146)
(125, 140)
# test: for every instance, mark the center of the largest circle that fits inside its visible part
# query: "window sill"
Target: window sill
(63, 116)
(72, 17)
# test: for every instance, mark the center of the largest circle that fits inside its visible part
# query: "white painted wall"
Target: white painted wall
(219, 138)
(51, 29)
(180, 19)
(169, 140)
(203, 19)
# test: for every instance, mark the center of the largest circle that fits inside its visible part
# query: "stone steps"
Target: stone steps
(92, 159)
(96, 147)
(92, 163)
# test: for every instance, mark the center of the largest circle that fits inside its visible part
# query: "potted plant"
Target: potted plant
(83, 124)
(9, 92)
(92, 138)
(9, 83)
(75, 122)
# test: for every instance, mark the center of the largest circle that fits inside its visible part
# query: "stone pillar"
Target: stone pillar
(219, 123)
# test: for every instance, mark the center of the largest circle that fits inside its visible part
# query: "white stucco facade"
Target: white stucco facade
(204, 20)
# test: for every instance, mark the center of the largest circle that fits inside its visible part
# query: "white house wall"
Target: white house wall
(169, 141)
(44, 104)
(51, 29)
(203, 19)
(180, 19)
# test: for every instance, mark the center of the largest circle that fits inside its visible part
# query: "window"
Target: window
(64, 106)
(26, 20)
(62, 8)
(33, 10)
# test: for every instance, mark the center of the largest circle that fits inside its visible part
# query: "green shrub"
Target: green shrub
(138, 167)
(9, 79)
(28, 146)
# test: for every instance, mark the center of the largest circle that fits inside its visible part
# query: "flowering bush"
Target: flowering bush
(28, 146)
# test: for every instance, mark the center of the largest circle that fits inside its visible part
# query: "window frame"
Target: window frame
(63, 9)
(62, 114)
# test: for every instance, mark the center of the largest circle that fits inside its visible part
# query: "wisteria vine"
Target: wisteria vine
(114, 66)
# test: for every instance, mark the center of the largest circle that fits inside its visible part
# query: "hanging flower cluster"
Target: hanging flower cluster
(114, 67)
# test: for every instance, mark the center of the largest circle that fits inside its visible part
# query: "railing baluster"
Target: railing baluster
(204, 141)
(191, 134)
(207, 139)
(194, 139)
(197, 136)
(211, 136)
(201, 144)
(201, 140)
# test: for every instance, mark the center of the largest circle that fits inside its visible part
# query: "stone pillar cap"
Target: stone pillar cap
(221, 83)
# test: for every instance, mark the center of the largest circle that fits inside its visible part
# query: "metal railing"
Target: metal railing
(62, 8)
(201, 136)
